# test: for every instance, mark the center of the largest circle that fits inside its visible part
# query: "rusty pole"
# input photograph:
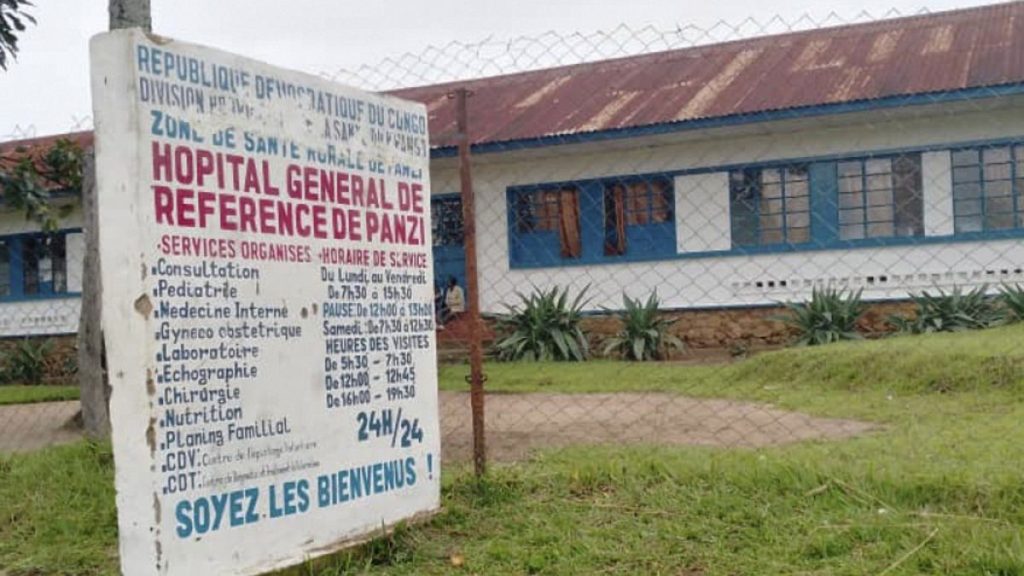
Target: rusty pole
(476, 353)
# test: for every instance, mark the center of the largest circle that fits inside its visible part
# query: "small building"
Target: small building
(886, 156)
(40, 273)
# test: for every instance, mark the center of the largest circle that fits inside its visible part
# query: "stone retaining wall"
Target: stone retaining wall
(708, 332)
(745, 328)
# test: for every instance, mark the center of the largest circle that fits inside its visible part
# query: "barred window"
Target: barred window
(446, 221)
(770, 206)
(44, 264)
(639, 204)
(33, 265)
(880, 198)
(987, 185)
(5, 269)
(538, 210)
(552, 210)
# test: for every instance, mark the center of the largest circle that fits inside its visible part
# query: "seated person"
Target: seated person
(454, 300)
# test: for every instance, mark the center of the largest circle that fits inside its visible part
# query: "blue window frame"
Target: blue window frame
(5, 269)
(592, 221)
(638, 216)
(770, 206)
(836, 201)
(880, 197)
(446, 221)
(545, 226)
(33, 266)
(987, 186)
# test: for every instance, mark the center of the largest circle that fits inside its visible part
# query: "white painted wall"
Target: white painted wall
(702, 212)
(936, 173)
(45, 317)
(75, 254)
(12, 222)
(746, 280)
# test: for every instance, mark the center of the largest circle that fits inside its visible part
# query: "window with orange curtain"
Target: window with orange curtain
(552, 210)
(632, 205)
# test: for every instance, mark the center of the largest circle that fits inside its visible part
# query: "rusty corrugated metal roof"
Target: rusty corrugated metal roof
(926, 54)
(13, 151)
(942, 52)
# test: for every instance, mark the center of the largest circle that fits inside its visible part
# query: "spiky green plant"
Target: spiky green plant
(26, 363)
(829, 316)
(1012, 300)
(544, 326)
(644, 334)
(953, 311)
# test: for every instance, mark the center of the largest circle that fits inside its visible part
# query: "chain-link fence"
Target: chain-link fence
(726, 172)
(664, 219)
(40, 288)
(709, 210)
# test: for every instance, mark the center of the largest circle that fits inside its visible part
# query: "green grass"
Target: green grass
(57, 512)
(938, 490)
(33, 394)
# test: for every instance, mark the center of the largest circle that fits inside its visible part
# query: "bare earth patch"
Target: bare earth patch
(517, 424)
(28, 427)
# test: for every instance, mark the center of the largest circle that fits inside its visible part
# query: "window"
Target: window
(33, 265)
(44, 266)
(987, 188)
(446, 221)
(637, 209)
(770, 206)
(551, 211)
(5, 269)
(880, 198)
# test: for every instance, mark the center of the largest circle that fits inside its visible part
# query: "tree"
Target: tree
(92, 376)
(35, 181)
(13, 21)
(130, 14)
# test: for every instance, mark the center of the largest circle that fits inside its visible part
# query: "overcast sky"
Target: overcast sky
(46, 90)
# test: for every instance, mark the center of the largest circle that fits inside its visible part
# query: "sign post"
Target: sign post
(267, 308)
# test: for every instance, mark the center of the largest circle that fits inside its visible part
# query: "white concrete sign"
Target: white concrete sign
(267, 308)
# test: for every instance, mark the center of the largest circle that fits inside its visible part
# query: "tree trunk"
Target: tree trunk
(130, 14)
(92, 377)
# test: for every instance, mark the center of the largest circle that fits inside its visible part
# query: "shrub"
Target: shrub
(644, 334)
(1012, 299)
(545, 326)
(830, 316)
(955, 311)
(26, 363)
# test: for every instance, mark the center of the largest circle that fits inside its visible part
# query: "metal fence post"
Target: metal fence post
(476, 369)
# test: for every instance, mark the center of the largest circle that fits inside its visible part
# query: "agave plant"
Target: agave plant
(644, 334)
(954, 311)
(26, 364)
(1012, 299)
(829, 316)
(544, 326)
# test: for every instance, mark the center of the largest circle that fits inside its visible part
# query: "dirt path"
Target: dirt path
(519, 423)
(27, 427)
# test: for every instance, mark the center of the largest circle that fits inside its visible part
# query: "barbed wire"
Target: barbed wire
(462, 60)
(470, 59)
(729, 237)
